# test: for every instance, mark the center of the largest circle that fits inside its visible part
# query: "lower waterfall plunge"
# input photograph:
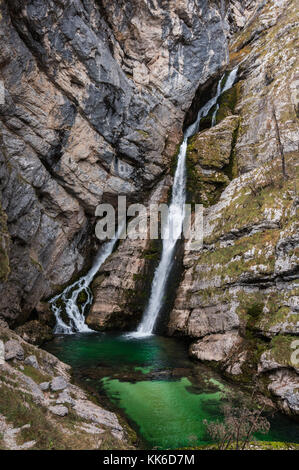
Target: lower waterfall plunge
(69, 297)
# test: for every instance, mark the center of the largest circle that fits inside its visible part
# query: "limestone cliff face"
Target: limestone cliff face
(95, 98)
(238, 299)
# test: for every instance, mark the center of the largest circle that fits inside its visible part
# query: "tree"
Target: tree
(279, 144)
(238, 427)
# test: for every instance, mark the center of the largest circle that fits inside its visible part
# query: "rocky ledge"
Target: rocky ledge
(47, 410)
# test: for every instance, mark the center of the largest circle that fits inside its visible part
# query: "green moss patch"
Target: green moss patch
(281, 349)
(211, 162)
(228, 102)
(22, 410)
(4, 246)
(36, 374)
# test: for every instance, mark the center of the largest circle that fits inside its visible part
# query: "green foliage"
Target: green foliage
(227, 102)
(35, 374)
(241, 422)
(255, 310)
(22, 410)
(4, 244)
(82, 297)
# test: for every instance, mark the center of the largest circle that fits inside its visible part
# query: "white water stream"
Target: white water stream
(68, 302)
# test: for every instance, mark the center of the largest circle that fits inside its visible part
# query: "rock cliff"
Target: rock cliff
(48, 411)
(238, 299)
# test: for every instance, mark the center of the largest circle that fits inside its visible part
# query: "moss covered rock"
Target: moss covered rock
(210, 159)
(35, 332)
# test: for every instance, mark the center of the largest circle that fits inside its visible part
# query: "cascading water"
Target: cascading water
(228, 84)
(218, 93)
(68, 301)
(176, 217)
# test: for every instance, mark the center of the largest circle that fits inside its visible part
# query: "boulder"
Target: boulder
(91, 412)
(32, 386)
(13, 350)
(31, 361)
(267, 363)
(216, 347)
(211, 319)
(64, 397)
(284, 385)
(3, 324)
(58, 383)
(59, 410)
(44, 386)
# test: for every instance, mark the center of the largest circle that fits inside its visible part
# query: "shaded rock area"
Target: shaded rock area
(35, 332)
(210, 163)
(47, 410)
(239, 293)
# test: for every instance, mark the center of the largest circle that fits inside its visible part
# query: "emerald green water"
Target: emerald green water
(164, 395)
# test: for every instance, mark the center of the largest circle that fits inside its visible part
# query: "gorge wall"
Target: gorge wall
(238, 300)
(96, 96)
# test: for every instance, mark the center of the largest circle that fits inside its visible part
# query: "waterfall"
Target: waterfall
(228, 84)
(218, 93)
(68, 299)
(175, 219)
(70, 304)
